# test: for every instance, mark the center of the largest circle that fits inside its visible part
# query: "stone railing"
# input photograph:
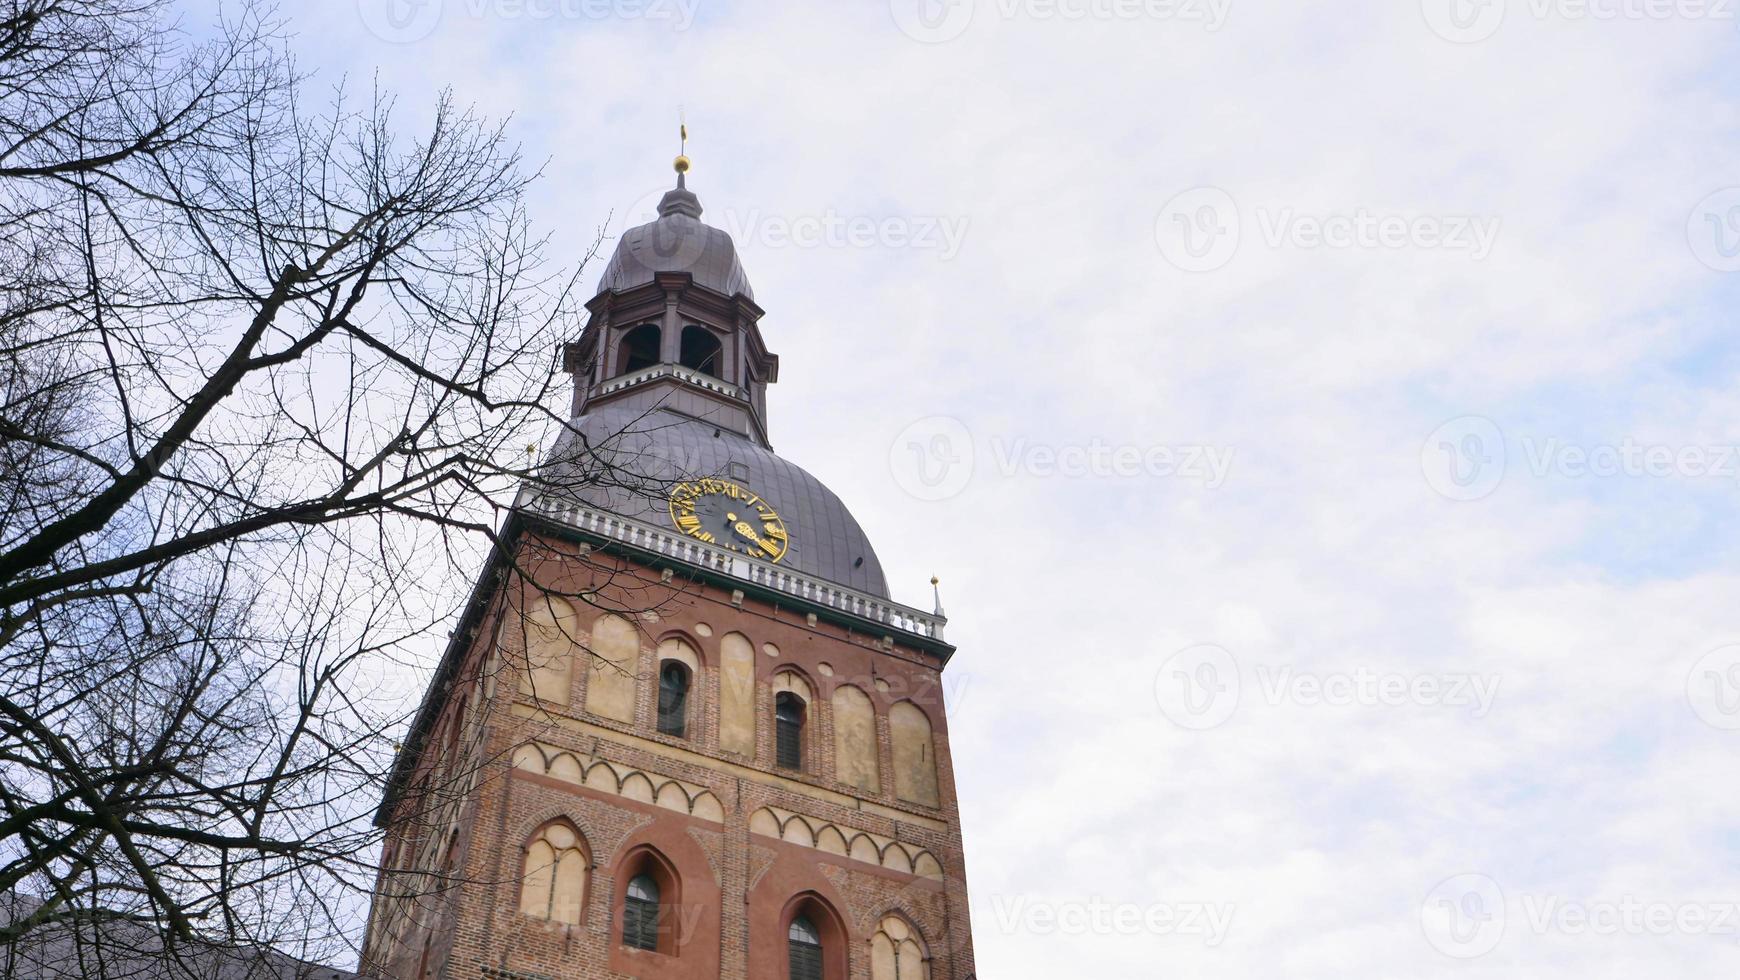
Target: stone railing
(677, 371)
(766, 575)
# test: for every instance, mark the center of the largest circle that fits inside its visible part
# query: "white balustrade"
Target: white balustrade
(766, 575)
(681, 373)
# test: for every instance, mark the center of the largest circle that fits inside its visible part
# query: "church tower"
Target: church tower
(682, 730)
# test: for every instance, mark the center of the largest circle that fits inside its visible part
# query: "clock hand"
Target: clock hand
(744, 529)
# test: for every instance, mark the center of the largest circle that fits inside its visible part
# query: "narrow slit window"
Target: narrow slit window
(789, 730)
(674, 699)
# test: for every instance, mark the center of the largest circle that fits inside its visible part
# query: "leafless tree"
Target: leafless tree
(268, 376)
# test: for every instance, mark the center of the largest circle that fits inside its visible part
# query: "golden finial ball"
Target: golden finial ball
(934, 580)
(681, 164)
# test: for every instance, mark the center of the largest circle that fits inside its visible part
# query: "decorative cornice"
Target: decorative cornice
(807, 590)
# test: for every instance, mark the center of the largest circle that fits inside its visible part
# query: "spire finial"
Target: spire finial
(682, 162)
(936, 592)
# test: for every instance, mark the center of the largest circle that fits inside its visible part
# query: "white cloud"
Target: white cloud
(1323, 370)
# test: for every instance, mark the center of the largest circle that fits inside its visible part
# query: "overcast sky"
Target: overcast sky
(1321, 416)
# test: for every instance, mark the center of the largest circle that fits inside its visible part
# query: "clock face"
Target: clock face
(722, 513)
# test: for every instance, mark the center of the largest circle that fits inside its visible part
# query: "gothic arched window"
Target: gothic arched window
(915, 777)
(788, 726)
(897, 952)
(640, 913)
(804, 949)
(701, 350)
(674, 698)
(554, 884)
(649, 899)
(639, 349)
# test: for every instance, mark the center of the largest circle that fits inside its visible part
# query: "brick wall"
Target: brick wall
(739, 886)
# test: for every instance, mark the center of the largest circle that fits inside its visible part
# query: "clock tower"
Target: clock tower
(682, 730)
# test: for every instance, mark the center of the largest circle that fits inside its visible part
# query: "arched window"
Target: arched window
(855, 760)
(649, 901)
(674, 698)
(554, 884)
(816, 942)
(454, 728)
(551, 626)
(614, 667)
(701, 350)
(804, 949)
(788, 719)
(638, 349)
(897, 952)
(640, 914)
(915, 778)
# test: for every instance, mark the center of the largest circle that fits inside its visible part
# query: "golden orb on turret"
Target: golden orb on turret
(681, 164)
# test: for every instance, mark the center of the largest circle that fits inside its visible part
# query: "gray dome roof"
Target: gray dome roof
(648, 449)
(676, 242)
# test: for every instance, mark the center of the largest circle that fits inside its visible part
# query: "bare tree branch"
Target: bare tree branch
(268, 372)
